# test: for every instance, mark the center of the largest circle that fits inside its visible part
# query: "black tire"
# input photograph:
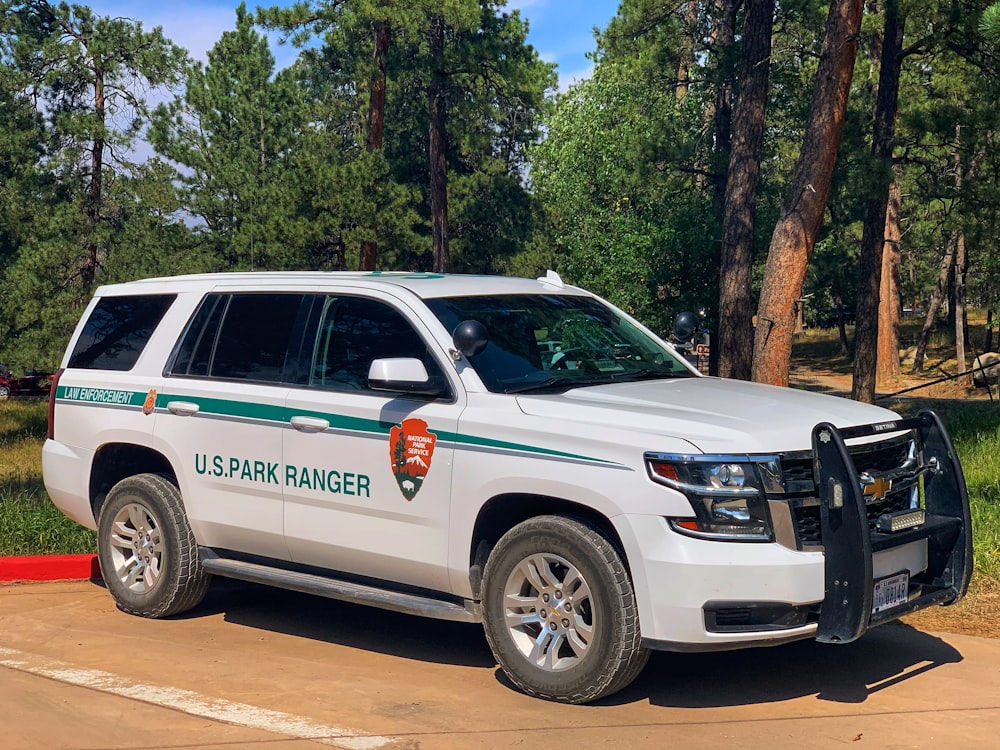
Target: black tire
(148, 555)
(4, 392)
(593, 648)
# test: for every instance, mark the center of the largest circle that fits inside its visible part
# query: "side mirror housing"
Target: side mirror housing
(404, 375)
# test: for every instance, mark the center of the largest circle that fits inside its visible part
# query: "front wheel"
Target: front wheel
(4, 392)
(148, 555)
(560, 613)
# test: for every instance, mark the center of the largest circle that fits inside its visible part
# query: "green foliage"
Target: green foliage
(626, 222)
(989, 24)
(73, 82)
(235, 134)
(975, 431)
(495, 90)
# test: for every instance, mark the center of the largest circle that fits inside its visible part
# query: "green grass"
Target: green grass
(30, 524)
(974, 427)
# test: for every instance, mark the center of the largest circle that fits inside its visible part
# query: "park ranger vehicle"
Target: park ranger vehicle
(507, 451)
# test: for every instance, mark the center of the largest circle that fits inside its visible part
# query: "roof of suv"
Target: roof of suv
(424, 285)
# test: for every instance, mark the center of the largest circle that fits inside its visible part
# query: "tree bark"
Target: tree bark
(937, 297)
(687, 51)
(887, 368)
(960, 319)
(794, 235)
(438, 140)
(376, 120)
(873, 233)
(95, 190)
(735, 340)
(724, 35)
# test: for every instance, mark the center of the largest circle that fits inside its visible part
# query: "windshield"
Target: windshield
(554, 342)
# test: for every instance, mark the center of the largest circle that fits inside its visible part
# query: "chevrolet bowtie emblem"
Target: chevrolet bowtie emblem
(875, 488)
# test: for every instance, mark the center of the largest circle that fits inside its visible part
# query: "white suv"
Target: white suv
(514, 452)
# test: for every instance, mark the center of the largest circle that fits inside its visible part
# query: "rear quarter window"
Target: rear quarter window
(118, 330)
(242, 336)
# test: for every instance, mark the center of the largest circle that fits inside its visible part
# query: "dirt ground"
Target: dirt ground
(978, 613)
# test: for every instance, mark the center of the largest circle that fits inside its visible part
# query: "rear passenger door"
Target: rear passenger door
(222, 417)
(368, 473)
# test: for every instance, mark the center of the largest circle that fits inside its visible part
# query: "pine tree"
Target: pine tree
(86, 74)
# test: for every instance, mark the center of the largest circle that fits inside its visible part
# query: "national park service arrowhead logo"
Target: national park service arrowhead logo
(411, 448)
(149, 405)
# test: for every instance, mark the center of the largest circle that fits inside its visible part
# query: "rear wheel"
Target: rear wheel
(148, 555)
(560, 612)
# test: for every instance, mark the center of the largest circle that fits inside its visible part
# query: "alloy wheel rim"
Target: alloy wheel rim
(549, 612)
(137, 551)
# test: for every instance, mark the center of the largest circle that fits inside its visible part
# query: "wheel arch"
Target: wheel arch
(503, 512)
(116, 461)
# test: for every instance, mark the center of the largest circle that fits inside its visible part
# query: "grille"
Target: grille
(797, 475)
(807, 518)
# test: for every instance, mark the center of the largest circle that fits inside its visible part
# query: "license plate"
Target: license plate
(890, 592)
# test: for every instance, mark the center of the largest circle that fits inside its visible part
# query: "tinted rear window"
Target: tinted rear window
(242, 337)
(118, 330)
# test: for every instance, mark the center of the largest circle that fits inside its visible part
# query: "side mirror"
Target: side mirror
(470, 337)
(404, 375)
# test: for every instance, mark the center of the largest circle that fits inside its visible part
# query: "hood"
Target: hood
(715, 415)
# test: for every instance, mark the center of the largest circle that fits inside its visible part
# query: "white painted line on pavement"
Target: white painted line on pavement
(230, 712)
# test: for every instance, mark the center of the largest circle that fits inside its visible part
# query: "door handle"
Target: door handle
(185, 408)
(310, 424)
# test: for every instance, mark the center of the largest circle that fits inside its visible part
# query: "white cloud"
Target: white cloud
(568, 77)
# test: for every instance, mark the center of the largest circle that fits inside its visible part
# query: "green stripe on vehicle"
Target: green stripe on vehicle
(100, 395)
(247, 410)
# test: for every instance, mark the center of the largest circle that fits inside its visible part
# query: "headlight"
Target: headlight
(725, 493)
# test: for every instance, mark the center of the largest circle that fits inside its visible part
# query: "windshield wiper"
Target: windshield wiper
(558, 381)
(648, 373)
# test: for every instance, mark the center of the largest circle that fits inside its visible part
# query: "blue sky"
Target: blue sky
(561, 30)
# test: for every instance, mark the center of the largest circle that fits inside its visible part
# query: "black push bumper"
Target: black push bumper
(850, 541)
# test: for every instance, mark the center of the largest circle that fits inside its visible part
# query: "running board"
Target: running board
(331, 588)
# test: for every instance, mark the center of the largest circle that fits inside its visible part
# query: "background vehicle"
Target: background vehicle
(30, 384)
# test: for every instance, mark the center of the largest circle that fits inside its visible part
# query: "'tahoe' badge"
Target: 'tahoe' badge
(411, 447)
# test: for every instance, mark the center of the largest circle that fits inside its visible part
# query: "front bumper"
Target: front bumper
(850, 543)
(699, 595)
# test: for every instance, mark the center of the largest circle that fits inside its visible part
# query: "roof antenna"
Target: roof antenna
(552, 279)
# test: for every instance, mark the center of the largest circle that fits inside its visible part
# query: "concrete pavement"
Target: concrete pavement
(258, 667)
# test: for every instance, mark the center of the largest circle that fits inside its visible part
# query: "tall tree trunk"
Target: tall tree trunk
(724, 47)
(735, 340)
(937, 297)
(988, 346)
(95, 189)
(961, 329)
(687, 50)
(873, 234)
(376, 120)
(724, 34)
(887, 368)
(438, 140)
(795, 233)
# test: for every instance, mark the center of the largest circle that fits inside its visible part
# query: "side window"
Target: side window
(194, 355)
(118, 330)
(240, 337)
(353, 332)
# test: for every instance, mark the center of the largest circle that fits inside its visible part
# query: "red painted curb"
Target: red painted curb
(49, 568)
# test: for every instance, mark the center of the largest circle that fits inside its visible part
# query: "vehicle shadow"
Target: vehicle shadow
(843, 673)
(847, 673)
(342, 623)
